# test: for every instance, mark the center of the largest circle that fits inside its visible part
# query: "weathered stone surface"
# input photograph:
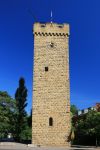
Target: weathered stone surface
(51, 91)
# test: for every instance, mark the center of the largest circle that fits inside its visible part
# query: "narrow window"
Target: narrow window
(46, 68)
(50, 121)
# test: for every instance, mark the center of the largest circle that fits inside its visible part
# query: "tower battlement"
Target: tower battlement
(51, 29)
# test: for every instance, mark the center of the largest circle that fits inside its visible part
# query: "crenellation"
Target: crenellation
(50, 34)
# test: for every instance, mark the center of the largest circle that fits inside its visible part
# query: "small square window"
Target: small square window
(46, 68)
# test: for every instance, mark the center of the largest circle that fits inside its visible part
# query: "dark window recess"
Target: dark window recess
(52, 44)
(43, 25)
(46, 68)
(60, 26)
(50, 121)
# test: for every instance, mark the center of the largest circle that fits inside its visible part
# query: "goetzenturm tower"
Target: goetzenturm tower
(51, 89)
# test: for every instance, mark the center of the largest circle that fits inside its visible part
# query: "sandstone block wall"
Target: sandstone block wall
(51, 90)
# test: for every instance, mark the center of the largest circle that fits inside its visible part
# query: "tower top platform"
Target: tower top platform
(51, 28)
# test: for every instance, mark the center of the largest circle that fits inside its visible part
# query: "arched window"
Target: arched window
(50, 121)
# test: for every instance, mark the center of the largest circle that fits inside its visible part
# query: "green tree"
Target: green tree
(21, 103)
(73, 109)
(73, 112)
(29, 119)
(93, 124)
(26, 134)
(89, 125)
(7, 113)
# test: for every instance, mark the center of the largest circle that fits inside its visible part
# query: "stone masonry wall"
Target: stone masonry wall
(51, 89)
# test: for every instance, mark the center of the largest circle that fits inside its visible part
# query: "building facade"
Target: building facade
(51, 89)
(96, 107)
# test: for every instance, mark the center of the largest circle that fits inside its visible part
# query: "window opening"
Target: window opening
(43, 25)
(60, 26)
(46, 69)
(50, 121)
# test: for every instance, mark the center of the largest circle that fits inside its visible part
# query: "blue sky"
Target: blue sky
(16, 44)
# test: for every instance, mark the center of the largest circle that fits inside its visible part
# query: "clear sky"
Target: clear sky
(16, 44)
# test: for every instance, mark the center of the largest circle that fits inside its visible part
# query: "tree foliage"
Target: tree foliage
(29, 118)
(89, 126)
(21, 103)
(7, 113)
(73, 109)
(73, 112)
(13, 116)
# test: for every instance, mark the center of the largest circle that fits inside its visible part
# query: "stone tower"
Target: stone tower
(51, 90)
